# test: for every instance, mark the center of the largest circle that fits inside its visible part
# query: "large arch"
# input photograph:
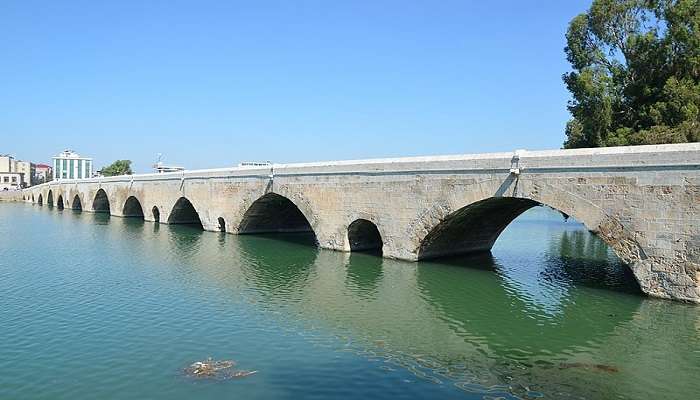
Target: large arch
(273, 213)
(183, 212)
(100, 204)
(49, 198)
(59, 202)
(132, 208)
(363, 235)
(473, 228)
(76, 204)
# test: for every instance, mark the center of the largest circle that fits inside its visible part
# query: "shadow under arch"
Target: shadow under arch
(100, 204)
(40, 200)
(132, 208)
(184, 213)
(156, 214)
(32, 198)
(363, 235)
(59, 202)
(273, 213)
(49, 199)
(76, 204)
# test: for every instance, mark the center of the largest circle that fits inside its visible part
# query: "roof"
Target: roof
(43, 166)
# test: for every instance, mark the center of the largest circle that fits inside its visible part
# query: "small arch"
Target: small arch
(273, 213)
(41, 200)
(59, 202)
(101, 202)
(32, 197)
(156, 214)
(222, 224)
(132, 208)
(76, 204)
(49, 199)
(363, 235)
(183, 212)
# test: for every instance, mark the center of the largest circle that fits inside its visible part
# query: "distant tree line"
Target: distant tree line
(635, 75)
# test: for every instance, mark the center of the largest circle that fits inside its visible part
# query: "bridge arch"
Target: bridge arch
(274, 213)
(183, 212)
(59, 202)
(40, 200)
(100, 204)
(76, 204)
(472, 228)
(363, 235)
(493, 205)
(49, 198)
(32, 197)
(132, 208)
(156, 214)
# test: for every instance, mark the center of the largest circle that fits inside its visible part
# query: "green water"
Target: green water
(111, 308)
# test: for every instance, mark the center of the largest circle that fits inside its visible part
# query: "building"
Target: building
(28, 171)
(42, 173)
(162, 168)
(69, 165)
(25, 169)
(6, 163)
(10, 180)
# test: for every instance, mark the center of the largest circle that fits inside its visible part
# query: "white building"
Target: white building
(69, 165)
(25, 169)
(10, 180)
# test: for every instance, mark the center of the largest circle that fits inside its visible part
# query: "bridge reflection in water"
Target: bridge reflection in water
(550, 311)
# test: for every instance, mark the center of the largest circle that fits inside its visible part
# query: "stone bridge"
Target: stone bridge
(643, 201)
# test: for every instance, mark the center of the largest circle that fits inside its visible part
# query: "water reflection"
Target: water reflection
(363, 273)
(582, 259)
(185, 241)
(552, 311)
(277, 265)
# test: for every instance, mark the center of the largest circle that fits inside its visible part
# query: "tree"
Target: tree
(636, 73)
(119, 167)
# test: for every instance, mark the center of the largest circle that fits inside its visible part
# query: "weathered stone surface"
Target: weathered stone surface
(644, 201)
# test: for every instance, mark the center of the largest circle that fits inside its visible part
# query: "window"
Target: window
(7, 179)
(14, 179)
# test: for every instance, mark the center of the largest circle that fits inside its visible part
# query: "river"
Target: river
(94, 306)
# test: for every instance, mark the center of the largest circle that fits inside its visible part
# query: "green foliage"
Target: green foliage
(119, 167)
(636, 73)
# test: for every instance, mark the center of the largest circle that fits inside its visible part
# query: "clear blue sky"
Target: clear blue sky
(209, 84)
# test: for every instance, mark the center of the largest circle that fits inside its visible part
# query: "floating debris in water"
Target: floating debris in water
(213, 369)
